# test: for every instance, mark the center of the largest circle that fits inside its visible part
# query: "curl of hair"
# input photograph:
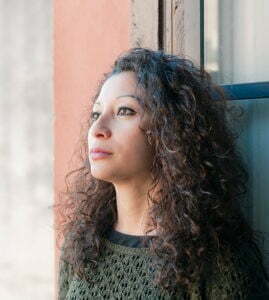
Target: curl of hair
(202, 174)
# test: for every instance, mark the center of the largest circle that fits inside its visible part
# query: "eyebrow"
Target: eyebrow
(122, 96)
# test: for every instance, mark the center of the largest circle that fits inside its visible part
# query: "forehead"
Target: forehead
(118, 86)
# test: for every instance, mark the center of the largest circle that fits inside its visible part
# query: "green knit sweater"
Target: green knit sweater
(126, 273)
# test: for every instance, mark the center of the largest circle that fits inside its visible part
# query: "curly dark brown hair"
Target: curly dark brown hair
(203, 176)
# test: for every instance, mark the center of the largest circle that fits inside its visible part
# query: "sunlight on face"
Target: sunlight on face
(116, 117)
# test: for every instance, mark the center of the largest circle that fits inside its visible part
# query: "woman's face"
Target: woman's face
(116, 117)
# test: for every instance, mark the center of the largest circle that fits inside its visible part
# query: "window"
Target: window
(235, 43)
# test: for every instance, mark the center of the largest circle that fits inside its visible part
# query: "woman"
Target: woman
(157, 214)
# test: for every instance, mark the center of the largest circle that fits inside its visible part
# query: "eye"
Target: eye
(124, 108)
(127, 108)
(93, 114)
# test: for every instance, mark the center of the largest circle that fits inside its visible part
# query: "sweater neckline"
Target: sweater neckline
(126, 243)
(122, 234)
(125, 249)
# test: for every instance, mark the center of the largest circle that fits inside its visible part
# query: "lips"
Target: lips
(99, 155)
(100, 150)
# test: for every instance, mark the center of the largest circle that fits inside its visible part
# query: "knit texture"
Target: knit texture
(126, 273)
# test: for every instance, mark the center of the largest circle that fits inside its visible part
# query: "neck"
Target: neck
(132, 208)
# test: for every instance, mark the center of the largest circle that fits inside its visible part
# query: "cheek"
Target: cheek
(135, 149)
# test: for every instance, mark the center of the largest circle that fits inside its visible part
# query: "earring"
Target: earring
(148, 133)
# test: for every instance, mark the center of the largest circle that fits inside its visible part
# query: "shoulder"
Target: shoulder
(237, 275)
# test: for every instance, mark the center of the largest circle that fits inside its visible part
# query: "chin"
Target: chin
(100, 174)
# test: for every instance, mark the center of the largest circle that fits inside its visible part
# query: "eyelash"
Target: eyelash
(122, 107)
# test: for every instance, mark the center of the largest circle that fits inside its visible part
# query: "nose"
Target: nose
(99, 132)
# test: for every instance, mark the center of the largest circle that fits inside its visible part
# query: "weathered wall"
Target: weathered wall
(26, 157)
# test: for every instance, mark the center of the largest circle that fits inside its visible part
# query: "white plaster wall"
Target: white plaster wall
(26, 150)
